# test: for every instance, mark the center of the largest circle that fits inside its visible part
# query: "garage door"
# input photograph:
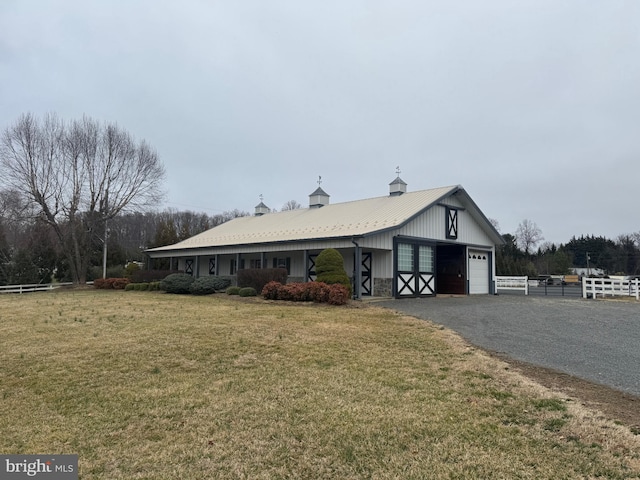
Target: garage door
(478, 272)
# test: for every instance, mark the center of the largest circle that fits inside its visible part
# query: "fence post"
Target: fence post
(526, 285)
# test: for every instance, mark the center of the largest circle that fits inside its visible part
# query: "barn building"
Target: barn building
(404, 244)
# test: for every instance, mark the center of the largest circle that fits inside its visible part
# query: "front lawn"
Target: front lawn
(146, 385)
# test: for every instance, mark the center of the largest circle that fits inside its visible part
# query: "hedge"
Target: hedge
(179, 283)
(111, 283)
(318, 292)
(259, 277)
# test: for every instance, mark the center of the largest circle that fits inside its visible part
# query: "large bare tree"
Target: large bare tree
(78, 175)
(528, 235)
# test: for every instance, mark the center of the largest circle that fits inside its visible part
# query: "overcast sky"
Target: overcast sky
(532, 106)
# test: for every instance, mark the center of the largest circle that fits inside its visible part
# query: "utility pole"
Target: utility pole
(104, 251)
(106, 235)
(588, 268)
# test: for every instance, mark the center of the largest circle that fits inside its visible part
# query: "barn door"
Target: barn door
(414, 270)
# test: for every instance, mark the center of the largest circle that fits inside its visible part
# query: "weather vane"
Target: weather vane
(398, 170)
(261, 197)
(319, 180)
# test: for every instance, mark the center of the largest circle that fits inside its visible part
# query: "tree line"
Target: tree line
(519, 255)
(29, 252)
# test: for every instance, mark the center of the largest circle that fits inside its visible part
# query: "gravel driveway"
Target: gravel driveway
(594, 340)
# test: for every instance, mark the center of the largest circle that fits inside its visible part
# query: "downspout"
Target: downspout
(358, 270)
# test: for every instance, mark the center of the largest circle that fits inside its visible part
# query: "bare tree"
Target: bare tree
(78, 177)
(528, 235)
(291, 205)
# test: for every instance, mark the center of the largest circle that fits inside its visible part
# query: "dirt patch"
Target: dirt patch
(616, 405)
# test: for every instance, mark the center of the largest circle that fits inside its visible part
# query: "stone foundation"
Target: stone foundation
(382, 287)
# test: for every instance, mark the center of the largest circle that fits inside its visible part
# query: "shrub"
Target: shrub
(131, 269)
(259, 277)
(130, 286)
(330, 268)
(247, 292)
(220, 283)
(111, 283)
(233, 291)
(140, 276)
(318, 292)
(270, 290)
(179, 283)
(203, 286)
(154, 286)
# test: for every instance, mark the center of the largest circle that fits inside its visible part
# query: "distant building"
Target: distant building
(405, 244)
(585, 272)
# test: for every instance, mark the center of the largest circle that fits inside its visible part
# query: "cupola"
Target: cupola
(398, 186)
(261, 208)
(319, 198)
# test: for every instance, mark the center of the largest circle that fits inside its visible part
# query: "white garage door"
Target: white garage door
(478, 272)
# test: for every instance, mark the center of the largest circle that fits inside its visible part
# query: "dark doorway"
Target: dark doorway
(450, 269)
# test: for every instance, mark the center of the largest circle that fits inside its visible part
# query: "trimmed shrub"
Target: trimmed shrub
(147, 276)
(247, 292)
(203, 286)
(220, 283)
(129, 287)
(178, 283)
(270, 290)
(111, 283)
(233, 291)
(330, 268)
(259, 277)
(318, 292)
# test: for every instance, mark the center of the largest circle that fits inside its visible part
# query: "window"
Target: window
(232, 267)
(452, 223)
(426, 258)
(212, 266)
(255, 263)
(188, 266)
(282, 263)
(405, 257)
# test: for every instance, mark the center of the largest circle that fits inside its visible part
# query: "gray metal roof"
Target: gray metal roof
(339, 220)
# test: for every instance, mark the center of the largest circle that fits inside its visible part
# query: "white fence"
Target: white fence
(36, 287)
(513, 283)
(592, 287)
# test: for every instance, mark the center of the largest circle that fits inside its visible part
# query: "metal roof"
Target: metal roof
(339, 220)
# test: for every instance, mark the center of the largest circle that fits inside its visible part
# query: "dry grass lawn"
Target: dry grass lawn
(146, 385)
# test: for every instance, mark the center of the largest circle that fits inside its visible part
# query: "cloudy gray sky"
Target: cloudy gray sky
(532, 106)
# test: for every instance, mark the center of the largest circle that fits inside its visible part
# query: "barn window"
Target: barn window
(426, 258)
(405, 257)
(188, 266)
(452, 223)
(282, 263)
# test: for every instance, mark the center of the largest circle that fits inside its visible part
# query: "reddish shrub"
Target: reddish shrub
(270, 290)
(338, 294)
(318, 292)
(111, 283)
